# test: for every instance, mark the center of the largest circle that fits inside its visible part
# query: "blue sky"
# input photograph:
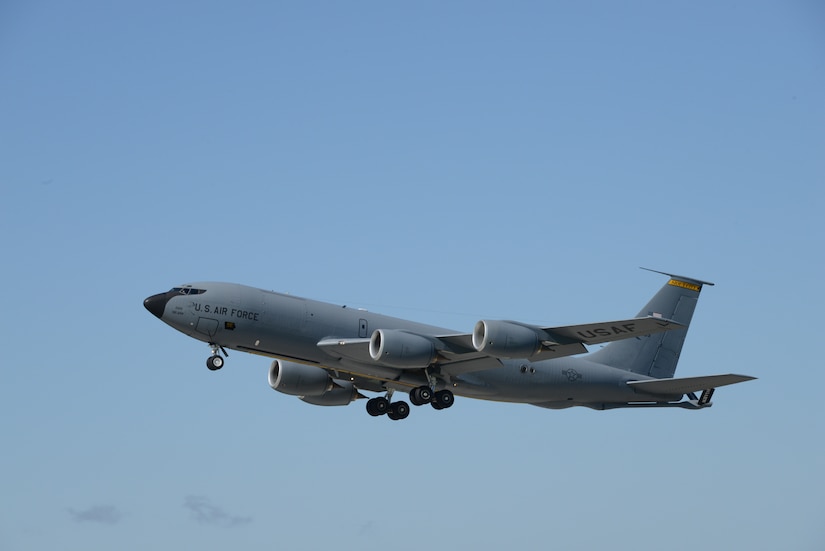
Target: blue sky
(436, 161)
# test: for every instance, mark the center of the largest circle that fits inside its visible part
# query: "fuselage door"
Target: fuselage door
(363, 328)
(207, 326)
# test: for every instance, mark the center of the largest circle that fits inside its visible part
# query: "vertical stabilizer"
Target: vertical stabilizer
(657, 355)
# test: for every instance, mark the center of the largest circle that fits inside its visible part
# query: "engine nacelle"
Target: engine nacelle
(504, 339)
(342, 394)
(299, 379)
(401, 349)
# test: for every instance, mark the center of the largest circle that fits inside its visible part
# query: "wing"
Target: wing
(458, 353)
(455, 353)
(686, 385)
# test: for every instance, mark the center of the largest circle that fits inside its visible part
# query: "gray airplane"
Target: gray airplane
(327, 354)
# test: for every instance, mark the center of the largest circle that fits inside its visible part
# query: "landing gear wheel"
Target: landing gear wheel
(214, 363)
(378, 406)
(443, 399)
(421, 395)
(398, 411)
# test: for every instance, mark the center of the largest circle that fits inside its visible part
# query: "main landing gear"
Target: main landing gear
(215, 361)
(395, 410)
(419, 396)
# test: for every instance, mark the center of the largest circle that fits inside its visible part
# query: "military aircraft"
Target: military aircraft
(328, 355)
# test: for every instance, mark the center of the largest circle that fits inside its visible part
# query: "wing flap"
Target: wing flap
(550, 350)
(686, 385)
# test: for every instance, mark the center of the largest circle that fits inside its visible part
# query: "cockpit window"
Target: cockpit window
(188, 290)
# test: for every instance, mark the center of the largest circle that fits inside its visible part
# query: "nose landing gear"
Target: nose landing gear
(215, 362)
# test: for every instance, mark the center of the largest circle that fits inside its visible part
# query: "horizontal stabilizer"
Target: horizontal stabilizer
(685, 385)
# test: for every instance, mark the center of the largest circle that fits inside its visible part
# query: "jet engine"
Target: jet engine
(505, 339)
(342, 393)
(299, 379)
(401, 349)
(311, 384)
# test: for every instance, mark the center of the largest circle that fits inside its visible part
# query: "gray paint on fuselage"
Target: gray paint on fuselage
(567, 379)
(285, 326)
(285, 323)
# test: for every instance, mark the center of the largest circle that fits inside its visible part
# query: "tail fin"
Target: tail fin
(657, 355)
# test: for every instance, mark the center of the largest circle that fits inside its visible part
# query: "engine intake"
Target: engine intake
(505, 339)
(401, 349)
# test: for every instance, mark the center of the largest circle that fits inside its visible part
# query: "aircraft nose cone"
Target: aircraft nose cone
(156, 304)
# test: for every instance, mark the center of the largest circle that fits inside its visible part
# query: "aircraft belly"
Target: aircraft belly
(563, 380)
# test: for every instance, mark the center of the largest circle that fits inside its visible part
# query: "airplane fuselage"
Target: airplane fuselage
(290, 328)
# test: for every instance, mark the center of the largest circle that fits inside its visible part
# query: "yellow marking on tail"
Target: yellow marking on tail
(685, 285)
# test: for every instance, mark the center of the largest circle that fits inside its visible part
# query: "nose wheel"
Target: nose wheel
(215, 361)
